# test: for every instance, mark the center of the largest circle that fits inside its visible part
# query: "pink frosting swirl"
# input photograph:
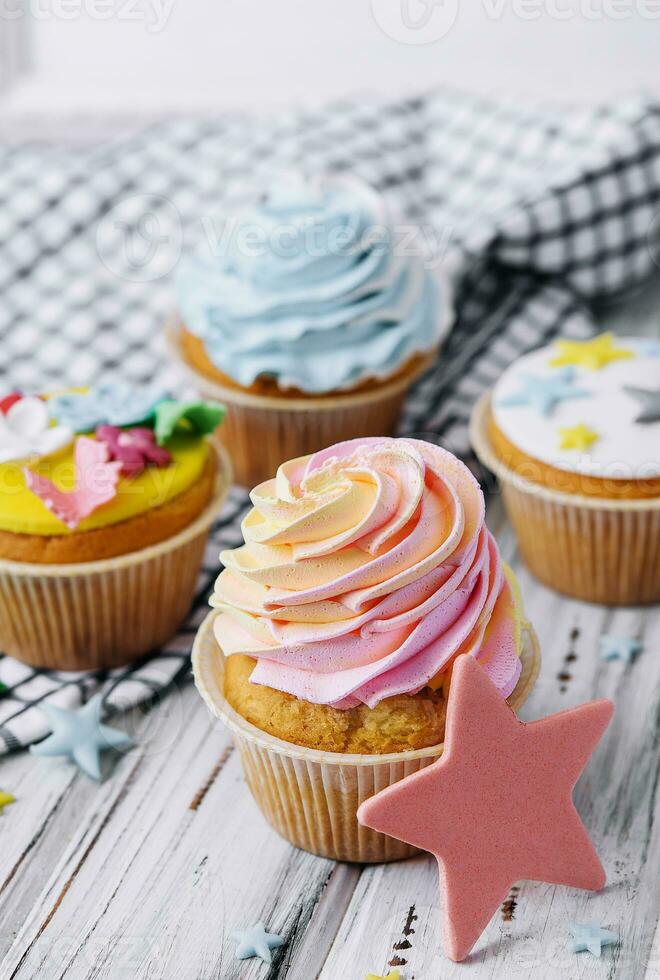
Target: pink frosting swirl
(366, 569)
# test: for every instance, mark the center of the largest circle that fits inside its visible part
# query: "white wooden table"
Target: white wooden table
(146, 875)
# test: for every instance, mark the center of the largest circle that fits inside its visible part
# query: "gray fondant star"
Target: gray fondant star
(590, 937)
(256, 942)
(80, 736)
(544, 393)
(623, 648)
(649, 400)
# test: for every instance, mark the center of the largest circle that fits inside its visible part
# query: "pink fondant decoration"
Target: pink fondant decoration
(497, 806)
(96, 484)
(134, 448)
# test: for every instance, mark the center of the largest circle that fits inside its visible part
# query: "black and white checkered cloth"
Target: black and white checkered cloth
(538, 214)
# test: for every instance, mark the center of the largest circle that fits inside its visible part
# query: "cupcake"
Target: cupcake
(366, 570)
(573, 433)
(106, 499)
(311, 325)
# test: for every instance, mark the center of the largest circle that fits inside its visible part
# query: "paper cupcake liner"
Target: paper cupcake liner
(261, 432)
(605, 551)
(103, 614)
(310, 797)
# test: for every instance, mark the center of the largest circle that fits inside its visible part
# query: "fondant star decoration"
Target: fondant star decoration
(200, 417)
(592, 354)
(256, 942)
(497, 806)
(392, 975)
(579, 437)
(6, 799)
(623, 648)
(651, 348)
(649, 400)
(544, 393)
(590, 937)
(81, 736)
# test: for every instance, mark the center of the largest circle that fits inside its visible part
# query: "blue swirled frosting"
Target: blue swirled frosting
(312, 289)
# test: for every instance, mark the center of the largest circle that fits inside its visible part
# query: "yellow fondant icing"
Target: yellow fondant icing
(22, 512)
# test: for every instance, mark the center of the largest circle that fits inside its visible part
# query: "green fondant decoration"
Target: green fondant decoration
(202, 418)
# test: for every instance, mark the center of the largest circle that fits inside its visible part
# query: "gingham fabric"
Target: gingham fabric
(537, 213)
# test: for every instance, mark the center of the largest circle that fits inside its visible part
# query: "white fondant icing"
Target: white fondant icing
(625, 448)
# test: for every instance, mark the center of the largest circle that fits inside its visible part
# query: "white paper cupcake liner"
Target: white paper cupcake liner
(310, 797)
(600, 550)
(103, 614)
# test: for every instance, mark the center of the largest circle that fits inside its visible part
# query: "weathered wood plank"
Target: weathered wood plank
(618, 798)
(166, 860)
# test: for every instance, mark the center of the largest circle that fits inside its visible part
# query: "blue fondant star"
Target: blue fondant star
(650, 348)
(623, 648)
(256, 942)
(118, 404)
(590, 937)
(543, 394)
(80, 736)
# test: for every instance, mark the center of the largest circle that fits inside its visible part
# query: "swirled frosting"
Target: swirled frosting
(366, 569)
(316, 287)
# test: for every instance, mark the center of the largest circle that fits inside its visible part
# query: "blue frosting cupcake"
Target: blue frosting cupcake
(316, 288)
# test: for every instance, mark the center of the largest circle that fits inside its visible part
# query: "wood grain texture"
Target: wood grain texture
(146, 875)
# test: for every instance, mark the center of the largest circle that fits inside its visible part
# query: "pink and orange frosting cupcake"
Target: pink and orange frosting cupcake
(367, 569)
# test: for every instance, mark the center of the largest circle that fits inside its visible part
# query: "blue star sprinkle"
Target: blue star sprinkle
(589, 937)
(543, 394)
(623, 648)
(256, 942)
(650, 348)
(80, 736)
(106, 405)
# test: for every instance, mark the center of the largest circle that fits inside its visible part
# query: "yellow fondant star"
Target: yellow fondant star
(6, 799)
(392, 975)
(578, 437)
(593, 354)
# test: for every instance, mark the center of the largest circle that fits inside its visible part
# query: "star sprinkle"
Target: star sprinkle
(26, 432)
(135, 448)
(623, 648)
(105, 405)
(543, 394)
(650, 402)
(592, 354)
(590, 937)
(496, 807)
(577, 437)
(80, 736)
(96, 484)
(6, 799)
(392, 975)
(650, 348)
(200, 417)
(256, 942)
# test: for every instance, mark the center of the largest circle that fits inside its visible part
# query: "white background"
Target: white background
(218, 54)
